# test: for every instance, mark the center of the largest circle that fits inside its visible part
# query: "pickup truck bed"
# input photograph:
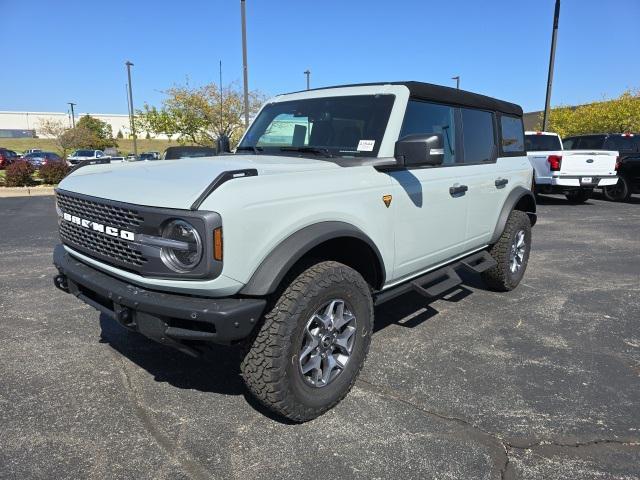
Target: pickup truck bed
(574, 168)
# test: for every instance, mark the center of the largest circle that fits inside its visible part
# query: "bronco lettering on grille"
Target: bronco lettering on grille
(98, 227)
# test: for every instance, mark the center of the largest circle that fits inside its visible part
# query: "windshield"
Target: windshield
(347, 126)
(541, 143)
(83, 153)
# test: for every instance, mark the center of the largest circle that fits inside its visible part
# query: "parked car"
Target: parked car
(81, 155)
(628, 146)
(38, 159)
(7, 157)
(286, 246)
(174, 153)
(156, 155)
(117, 159)
(31, 150)
(147, 156)
(574, 173)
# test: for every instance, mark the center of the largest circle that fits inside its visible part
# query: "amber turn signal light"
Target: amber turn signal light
(217, 244)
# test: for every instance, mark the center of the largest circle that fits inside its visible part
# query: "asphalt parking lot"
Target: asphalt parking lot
(543, 382)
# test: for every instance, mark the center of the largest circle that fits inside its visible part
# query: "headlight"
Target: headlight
(187, 253)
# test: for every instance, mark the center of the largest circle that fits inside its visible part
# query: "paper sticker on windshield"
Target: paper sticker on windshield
(366, 145)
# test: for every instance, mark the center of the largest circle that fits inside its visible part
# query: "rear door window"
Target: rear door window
(424, 118)
(478, 138)
(512, 134)
(589, 142)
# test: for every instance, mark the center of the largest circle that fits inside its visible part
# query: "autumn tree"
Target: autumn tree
(101, 131)
(200, 115)
(617, 116)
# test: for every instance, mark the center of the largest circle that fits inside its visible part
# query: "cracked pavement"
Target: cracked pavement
(542, 382)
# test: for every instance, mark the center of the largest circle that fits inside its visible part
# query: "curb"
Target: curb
(7, 192)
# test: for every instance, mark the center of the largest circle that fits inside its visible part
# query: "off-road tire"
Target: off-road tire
(579, 195)
(500, 278)
(270, 367)
(619, 192)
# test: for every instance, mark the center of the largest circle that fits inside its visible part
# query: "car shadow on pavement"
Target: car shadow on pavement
(216, 371)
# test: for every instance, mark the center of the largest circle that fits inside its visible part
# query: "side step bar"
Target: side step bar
(440, 281)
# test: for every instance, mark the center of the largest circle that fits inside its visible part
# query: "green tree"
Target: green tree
(619, 115)
(101, 131)
(200, 115)
(119, 134)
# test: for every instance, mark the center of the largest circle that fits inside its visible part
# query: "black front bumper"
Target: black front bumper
(180, 321)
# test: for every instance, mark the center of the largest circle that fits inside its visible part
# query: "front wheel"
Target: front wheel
(312, 344)
(620, 192)
(579, 195)
(511, 253)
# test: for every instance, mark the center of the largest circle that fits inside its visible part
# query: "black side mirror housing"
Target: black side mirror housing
(420, 149)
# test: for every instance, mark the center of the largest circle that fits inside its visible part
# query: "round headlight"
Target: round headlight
(181, 260)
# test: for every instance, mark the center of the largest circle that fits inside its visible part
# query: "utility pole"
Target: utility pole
(457, 79)
(244, 64)
(307, 72)
(221, 100)
(131, 119)
(552, 59)
(73, 116)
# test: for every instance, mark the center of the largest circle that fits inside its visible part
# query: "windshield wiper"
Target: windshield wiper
(315, 150)
(249, 148)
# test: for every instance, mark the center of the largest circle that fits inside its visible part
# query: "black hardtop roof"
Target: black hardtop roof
(439, 93)
(602, 135)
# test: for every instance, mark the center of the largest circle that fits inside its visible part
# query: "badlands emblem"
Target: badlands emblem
(98, 227)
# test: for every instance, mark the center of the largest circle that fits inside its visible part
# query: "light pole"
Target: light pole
(307, 72)
(131, 119)
(73, 116)
(552, 59)
(457, 79)
(244, 64)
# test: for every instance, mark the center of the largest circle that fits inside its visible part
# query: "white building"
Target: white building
(11, 123)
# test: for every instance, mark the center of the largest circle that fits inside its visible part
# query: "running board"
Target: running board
(440, 281)
(479, 262)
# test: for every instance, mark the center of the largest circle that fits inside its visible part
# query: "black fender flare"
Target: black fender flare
(279, 261)
(516, 196)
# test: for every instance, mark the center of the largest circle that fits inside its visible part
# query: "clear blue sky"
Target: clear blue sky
(59, 51)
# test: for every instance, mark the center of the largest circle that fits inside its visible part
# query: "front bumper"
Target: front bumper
(180, 321)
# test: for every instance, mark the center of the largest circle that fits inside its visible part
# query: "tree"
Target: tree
(148, 136)
(618, 115)
(55, 129)
(102, 132)
(119, 134)
(200, 115)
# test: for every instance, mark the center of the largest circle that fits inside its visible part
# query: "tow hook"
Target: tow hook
(60, 281)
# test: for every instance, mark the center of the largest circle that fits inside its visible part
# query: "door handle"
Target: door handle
(501, 182)
(458, 190)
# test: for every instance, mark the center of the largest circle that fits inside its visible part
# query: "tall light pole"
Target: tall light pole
(457, 79)
(307, 72)
(244, 64)
(131, 118)
(73, 116)
(552, 59)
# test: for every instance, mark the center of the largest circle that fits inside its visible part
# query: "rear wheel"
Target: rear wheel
(579, 195)
(309, 351)
(620, 192)
(511, 253)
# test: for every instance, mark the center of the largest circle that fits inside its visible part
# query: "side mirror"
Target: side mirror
(223, 145)
(420, 149)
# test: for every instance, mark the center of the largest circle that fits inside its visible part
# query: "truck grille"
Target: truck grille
(112, 215)
(105, 247)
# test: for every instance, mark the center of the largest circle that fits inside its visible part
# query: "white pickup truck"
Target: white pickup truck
(574, 173)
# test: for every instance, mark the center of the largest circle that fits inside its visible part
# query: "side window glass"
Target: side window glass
(425, 118)
(567, 143)
(512, 134)
(477, 136)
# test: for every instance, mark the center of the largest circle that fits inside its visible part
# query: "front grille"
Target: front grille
(99, 243)
(114, 216)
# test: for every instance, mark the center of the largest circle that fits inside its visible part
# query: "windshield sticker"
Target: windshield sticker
(366, 145)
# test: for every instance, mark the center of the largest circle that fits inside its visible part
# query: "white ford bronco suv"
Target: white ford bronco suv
(336, 200)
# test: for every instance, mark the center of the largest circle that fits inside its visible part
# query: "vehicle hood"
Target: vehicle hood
(175, 183)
